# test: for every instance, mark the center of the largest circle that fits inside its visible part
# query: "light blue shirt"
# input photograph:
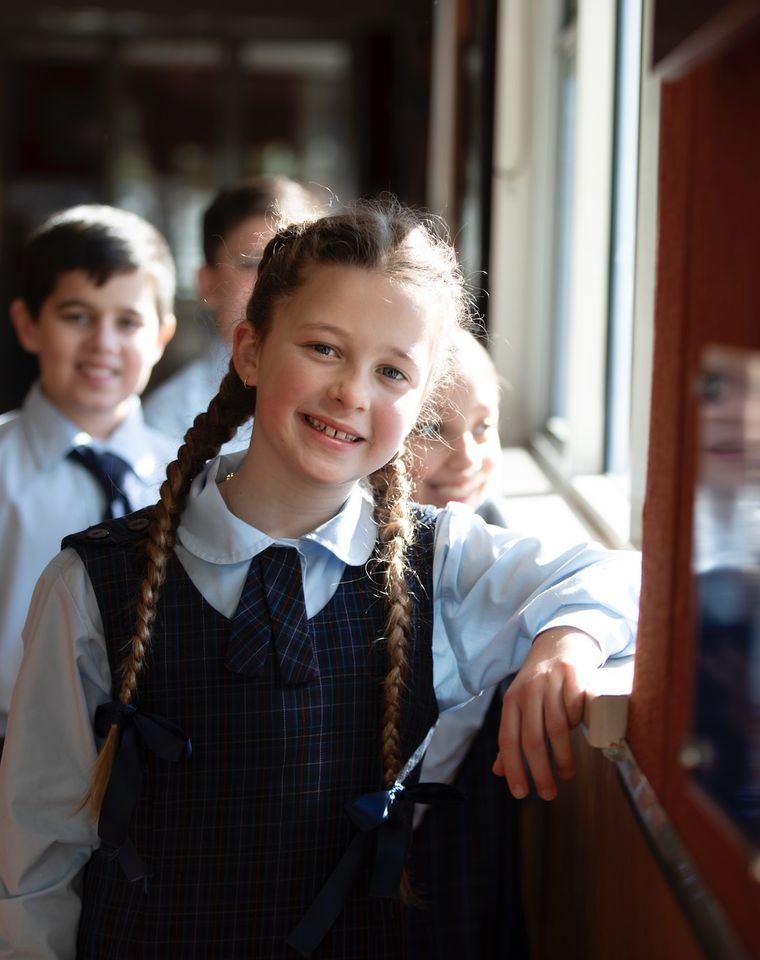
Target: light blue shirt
(494, 590)
(173, 405)
(44, 496)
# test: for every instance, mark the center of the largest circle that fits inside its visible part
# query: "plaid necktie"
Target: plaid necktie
(272, 614)
(112, 473)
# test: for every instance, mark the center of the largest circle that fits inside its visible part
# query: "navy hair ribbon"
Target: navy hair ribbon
(377, 818)
(137, 733)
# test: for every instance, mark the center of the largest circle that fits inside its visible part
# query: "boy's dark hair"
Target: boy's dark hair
(277, 197)
(101, 240)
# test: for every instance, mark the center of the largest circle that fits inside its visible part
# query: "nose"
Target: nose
(103, 335)
(350, 389)
(465, 451)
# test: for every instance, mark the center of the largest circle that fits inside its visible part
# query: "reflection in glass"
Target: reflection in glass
(726, 564)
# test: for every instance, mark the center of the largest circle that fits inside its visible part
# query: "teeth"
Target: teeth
(335, 434)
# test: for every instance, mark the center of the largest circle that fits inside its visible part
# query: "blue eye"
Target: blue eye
(392, 373)
(323, 349)
(432, 430)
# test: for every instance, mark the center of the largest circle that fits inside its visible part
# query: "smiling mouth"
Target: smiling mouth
(96, 372)
(330, 431)
(458, 491)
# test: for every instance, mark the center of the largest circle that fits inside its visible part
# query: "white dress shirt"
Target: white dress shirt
(494, 590)
(174, 404)
(44, 496)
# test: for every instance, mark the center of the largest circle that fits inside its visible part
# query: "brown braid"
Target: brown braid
(391, 487)
(408, 249)
(231, 407)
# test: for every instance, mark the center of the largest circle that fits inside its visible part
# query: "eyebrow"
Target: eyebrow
(66, 304)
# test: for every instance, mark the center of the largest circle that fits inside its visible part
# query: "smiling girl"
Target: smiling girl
(289, 613)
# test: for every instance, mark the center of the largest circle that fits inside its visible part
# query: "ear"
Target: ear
(207, 284)
(26, 326)
(246, 347)
(166, 330)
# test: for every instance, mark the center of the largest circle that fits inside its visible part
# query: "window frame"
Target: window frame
(525, 198)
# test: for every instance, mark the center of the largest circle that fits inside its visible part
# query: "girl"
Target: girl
(288, 612)
(465, 859)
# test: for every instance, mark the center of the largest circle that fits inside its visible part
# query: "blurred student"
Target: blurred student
(460, 458)
(95, 305)
(465, 861)
(236, 227)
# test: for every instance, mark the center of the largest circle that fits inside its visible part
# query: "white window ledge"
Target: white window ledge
(533, 503)
(606, 709)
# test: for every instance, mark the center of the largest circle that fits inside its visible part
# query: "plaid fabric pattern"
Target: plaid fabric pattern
(465, 866)
(272, 612)
(241, 837)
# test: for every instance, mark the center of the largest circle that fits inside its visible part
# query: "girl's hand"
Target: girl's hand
(545, 701)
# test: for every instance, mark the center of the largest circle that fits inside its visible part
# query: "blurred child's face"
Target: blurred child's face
(461, 460)
(226, 285)
(340, 378)
(95, 346)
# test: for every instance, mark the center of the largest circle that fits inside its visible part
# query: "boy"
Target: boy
(96, 307)
(236, 227)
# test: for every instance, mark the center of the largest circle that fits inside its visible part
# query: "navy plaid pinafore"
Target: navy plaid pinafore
(240, 837)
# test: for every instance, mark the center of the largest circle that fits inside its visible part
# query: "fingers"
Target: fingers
(530, 724)
(509, 762)
(558, 726)
(542, 706)
(534, 742)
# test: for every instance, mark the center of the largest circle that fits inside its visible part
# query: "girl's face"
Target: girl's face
(460, 461)
(340, 377)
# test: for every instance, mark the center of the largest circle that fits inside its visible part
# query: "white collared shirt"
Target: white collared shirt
(494, 590)
(173, 405)
(44, 496)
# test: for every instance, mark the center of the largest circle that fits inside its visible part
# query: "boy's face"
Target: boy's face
(95, 346)
(226, 285)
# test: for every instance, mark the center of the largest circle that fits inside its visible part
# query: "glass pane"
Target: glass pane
(623, 242)
(563, 233)
(725, 751)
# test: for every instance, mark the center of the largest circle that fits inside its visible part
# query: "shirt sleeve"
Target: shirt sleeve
(495, 590)
(47, 837)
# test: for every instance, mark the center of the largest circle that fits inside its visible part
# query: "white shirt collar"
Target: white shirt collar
(51, 435)
(211, 532)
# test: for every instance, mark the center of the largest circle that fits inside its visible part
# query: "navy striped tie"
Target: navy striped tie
(111, 472)
(271, 615)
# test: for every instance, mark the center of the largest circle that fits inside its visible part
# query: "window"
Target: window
(564, 252)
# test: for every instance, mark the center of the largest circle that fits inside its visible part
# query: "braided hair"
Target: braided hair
(382, 236)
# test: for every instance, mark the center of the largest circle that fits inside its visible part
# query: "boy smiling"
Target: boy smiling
(96, 308)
